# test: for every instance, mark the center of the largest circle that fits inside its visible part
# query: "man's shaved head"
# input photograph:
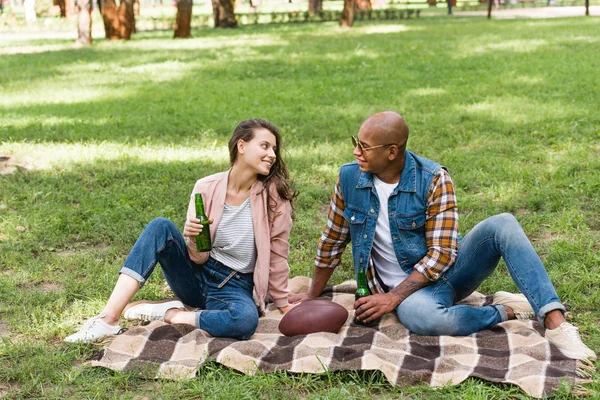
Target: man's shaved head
(386, 127)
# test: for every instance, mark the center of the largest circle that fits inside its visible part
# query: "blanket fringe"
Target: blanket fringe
(579, 390)
(584, 368)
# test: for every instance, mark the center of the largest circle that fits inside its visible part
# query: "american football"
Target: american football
(313, 316)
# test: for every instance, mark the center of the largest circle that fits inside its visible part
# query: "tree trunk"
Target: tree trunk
(587, 8)
(126, 19)
(118, 21)
(223, 14)
(347, 18)
(184, 19)
(84, 28)
(315, 6)
(363, 4)
(490, 9)
(62, 4)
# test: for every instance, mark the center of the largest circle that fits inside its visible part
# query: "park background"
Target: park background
(97, 141)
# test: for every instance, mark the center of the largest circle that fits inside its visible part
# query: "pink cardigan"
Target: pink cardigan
(271, 236)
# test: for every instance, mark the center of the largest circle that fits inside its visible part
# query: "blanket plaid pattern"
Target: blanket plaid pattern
(513, 352)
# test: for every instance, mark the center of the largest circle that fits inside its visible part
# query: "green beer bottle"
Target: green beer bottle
(362, 289)
(203, 242)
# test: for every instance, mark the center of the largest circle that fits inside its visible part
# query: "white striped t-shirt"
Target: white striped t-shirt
(234, 239)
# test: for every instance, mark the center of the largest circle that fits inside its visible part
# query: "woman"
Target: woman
(249, 207)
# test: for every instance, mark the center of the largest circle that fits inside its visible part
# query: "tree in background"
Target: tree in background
(84, 26)
(62, 4)
(315, 6)
(119, 21)
(363, 4)
(347, 17)
(223, 14)
(183, 20)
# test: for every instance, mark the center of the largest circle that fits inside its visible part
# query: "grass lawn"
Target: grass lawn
(111, 136)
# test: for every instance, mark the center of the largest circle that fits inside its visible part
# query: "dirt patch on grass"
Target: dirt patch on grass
(4, 329)
(50, 287)
(9, 166)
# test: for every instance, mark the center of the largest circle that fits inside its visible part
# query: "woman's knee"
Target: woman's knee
(244, 324)
(161, 224)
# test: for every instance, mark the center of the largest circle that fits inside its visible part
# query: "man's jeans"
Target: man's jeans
(227, 307)
(432, 310)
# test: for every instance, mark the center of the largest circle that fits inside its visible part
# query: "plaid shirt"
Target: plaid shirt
(441, 232)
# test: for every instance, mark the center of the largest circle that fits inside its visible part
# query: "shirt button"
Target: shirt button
(436, 275)
(352, 218)
(414, 224)
(372, 211)
(365, 236)
(361, 260)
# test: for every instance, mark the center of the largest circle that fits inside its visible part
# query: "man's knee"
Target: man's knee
(502, 226)
(426, 317)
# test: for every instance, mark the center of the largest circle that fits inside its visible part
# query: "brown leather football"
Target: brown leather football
(313, 316)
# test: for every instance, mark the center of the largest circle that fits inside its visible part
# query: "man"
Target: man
(399, 210)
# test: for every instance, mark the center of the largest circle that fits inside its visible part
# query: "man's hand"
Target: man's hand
(372, 307)
(300, 297)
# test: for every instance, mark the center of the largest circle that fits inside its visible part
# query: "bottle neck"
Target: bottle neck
(199, 205)
(362, 278)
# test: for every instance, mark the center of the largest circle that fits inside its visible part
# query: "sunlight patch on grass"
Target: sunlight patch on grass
(45, 93)
(63, 155)
(515, 46)
(157, 71)
(335, 30)
(517, 109)
(369, 30)
(35, 49)
(426, 92)
(528, 80)
(243, 41)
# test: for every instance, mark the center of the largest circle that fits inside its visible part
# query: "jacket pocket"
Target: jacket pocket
(412, 232)
(357, 220)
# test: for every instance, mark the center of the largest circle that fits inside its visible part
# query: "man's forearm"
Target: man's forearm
(414, 282)
(320, 280)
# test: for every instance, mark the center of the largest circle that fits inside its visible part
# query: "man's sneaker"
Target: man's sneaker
(517, 302)
(93, 330)
(566, 338)
(147, 310)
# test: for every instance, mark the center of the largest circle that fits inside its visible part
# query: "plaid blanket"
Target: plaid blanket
(512, 352)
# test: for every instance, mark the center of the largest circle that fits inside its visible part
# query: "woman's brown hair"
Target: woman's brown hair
(278, 174)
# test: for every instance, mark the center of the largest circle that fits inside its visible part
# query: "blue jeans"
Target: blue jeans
(227, 306)
(432, 310)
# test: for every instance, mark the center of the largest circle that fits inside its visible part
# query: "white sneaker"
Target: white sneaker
(566, 338)
(517, 302)
(93, 330)
(148, 310)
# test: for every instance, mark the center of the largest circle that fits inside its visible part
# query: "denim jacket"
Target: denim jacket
(407, 209)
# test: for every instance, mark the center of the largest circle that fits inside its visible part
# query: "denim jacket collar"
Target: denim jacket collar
(408, 179)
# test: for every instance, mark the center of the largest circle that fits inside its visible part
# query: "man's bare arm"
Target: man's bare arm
(414, 282)
(319, 282)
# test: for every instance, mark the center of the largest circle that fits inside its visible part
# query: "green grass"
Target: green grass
(117, 133)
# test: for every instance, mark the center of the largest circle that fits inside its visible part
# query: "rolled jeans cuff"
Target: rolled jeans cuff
(547, 308)
(133, 274)
(198, 313)
(502, 311)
